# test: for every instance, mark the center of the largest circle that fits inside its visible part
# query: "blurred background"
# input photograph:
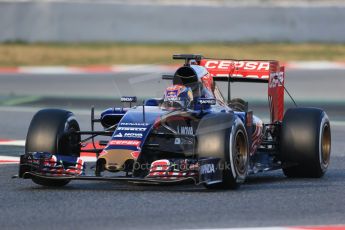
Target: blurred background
(176, 21)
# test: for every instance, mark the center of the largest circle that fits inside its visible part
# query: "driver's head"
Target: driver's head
(178, 97)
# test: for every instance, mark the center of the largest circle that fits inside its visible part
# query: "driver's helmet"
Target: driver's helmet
(178, 97)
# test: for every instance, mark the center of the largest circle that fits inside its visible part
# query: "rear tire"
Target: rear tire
(305, 142)
(48, 132)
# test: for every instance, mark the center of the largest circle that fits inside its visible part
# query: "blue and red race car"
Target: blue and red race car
(193, 134)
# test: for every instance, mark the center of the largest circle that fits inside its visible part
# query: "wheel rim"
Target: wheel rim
(69, 143)
(240, 153)
(73, 139)
(326, 144)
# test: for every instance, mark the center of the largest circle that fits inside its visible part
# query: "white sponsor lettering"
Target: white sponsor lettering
(128, 99)
(239, 64)
(211, 64)
(132, 129)
(134, 124)
(264, 65)
(134, 135)
(187, 130)
(208, 101)
(207, 168)
(251, 65)
(246, 65)
(224, 64)
(118, 135)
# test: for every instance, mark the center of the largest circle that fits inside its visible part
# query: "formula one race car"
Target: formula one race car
(191, 135)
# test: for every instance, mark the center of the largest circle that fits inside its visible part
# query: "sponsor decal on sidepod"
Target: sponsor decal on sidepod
(126, 142)
(185, 130)
(207, 169)
(140, 129)
(133, 135)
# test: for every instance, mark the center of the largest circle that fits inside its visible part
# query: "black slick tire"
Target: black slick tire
(305, 143)
(48, 132)
(235, 158)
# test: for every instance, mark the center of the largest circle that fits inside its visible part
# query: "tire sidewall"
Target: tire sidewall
(301, 143)
(47, 133)
(62, 147)
(324, 123)
(234, 172)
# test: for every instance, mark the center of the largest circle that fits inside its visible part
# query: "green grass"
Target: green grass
(22, 54)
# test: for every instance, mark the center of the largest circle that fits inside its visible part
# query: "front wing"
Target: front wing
(57, 168)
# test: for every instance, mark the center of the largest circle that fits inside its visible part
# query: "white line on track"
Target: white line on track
(9, 160)
(13, 143)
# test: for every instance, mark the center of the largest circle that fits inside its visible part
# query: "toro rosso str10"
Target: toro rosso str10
(191, 135)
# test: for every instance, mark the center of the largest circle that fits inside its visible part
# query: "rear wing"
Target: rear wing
(238, 70)
(252, 71)
(262, 71)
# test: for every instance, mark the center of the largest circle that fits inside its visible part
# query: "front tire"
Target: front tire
(49, 132)
(236, 158)
(305, 142)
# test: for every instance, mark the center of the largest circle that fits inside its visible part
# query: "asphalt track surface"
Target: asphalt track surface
(264, 200)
